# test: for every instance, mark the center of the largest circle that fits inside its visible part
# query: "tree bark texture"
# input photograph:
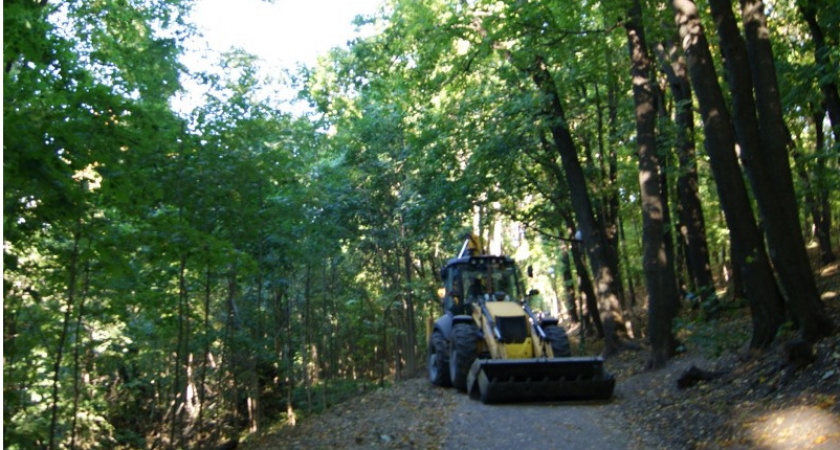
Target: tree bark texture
(62, 338)
(630, 283)
(613, 201)
(589, 316)
(411, 332)
(593, 236)
(692, 223)
(820, 192)
(772, 180)
(657, 259)
(568, 283)
(78, 338)
(765, 300)
(814, 184)
(590, 319)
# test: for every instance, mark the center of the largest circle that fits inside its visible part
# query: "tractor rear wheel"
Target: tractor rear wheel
(438, 360)
(464, 352)
(556, 336)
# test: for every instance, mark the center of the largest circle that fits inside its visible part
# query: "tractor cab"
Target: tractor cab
(473, 279)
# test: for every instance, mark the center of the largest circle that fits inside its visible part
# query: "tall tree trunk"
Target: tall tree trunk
(816, 194)
(735, 279)
(614, 208)
(232, 354)
(77, 346)
(594, 238)
(202, 382)
(766, 303)
(411, 341)
(610, 196)
(176, 435)
(288, 361)
(627, 268)
(657, 257)
(767, 163)
(589, 314)
(62, 337)
(590, 319)
(254, 403)
(819, 191)
(692, 230)
(826, 71)
(179, 388)
(568, 283)
(307, 343)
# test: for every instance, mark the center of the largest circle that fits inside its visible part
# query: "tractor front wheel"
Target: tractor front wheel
(438, 360)
(464, 352)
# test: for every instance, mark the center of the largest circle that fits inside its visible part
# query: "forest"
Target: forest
(174, 280)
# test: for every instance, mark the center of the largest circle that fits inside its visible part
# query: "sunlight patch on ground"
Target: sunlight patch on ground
(797, 427)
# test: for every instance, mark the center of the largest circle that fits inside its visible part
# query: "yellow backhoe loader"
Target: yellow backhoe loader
(490, 344)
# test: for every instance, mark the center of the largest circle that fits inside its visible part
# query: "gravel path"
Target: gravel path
(647, 411)
(569, 425)
(578, 426)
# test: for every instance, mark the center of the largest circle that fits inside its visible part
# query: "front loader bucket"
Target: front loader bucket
(537, 380)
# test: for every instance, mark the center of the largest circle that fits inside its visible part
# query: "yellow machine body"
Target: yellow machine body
(493, 346)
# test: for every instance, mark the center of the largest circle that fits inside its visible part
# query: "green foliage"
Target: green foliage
(713, 337)
(334, 392)
(163, 272)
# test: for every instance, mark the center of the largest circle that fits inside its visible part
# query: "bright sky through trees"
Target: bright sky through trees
(282, 33)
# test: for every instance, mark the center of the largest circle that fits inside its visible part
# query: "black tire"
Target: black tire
(439, 360)
(556, 336)
(464, 352)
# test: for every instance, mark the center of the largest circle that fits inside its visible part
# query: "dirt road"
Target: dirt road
(647, 411)
(416, 415)
(578, 426)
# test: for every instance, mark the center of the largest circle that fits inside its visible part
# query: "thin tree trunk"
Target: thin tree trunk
(232, 355)
(176, 427)
(692, 230)
(614, 208)
(307, 378)
(631, 285)
(594, 238)
(568, 283)
(589, 303)
(665, 193)
(822, 51)
(76, 354)
(610, 199)
(62, 338)
(816, 195)
(202, 385)
(587, 292)
(335, 337)
(657, 259)
(821, 209)
(765, 300)
(736, 279)
(255, 407)
(411, 330)
(289, 375)
(590, 314)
